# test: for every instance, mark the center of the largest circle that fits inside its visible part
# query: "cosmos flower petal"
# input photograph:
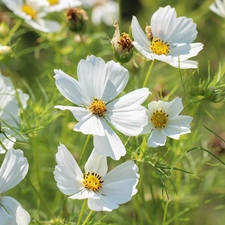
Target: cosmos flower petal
(175, 131)
(157, 138)
(85, 193)
(115, 80)
(138, 34)
(125, 113)
(69, 88)
(102, 204)
(162, 21)
(174, 107)
(91, 73)
(97, 163)
(180, 120)
(43, 25)
(218, 7)
(12, 212)
(185, 51)
(13, 170)
(6, 143)
(109, 144)
(107, 12)
(63, 4)
(67, 172)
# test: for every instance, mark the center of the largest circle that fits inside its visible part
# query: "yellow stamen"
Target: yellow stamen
(98, 107)
(159, 47)
(53, 2)
(92, 181)
(29, 11)
(159, 119)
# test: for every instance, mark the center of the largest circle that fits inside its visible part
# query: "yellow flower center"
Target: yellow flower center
(159, 119)
(53, 2)
(159, 47)
(92, 181)
(29, 11)
(98, 107)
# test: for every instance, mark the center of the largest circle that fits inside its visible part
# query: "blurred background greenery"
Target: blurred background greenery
(193, 192)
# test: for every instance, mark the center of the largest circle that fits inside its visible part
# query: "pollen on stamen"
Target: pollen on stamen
(92, 181)
(159, 47)
(159, 119)
(98, 107)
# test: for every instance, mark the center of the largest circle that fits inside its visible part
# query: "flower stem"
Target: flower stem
(87, 218)
(148, 74)
(84, 148)
(82, 212)
(49, 212)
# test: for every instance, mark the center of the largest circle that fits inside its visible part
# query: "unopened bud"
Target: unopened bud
(76, 19)
(5, 51)
(122, 45)
(4, 29)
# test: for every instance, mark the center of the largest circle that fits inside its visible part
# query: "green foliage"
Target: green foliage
(182, 182)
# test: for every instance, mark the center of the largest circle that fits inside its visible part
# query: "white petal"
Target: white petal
(6, 142)
(85, 193)
(139, 35)
(48, 26)
(174, 107)
(185, 51)
(102, 204)
(63, 4)
(91, 74)
(115, 80)
(14, 168)
(67, 173)
(126, 114)
(109, 144)
(175, 131)
(157, 138)
(70, 88)
(96, 163)
(16, 214)
(106, 12)
(162, 21)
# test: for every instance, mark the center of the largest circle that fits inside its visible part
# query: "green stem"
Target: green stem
(148, 74)
(82, 212)
(88, 217)
(49, 212)
(12, 32)
(84, 148)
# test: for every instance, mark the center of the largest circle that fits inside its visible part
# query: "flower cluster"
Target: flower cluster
(100, 105)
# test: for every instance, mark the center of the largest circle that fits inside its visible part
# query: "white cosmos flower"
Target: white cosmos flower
(106, 11)
(13, 170)
(218, 7)
(33, 11)
(168, 38)
(59, 5)
(95, 91)
(164, 121)
(9, 112)
(104, 191)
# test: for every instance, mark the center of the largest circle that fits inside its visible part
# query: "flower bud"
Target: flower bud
(5, 51)
(76, 19)
(122, 45)
(4, 29)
